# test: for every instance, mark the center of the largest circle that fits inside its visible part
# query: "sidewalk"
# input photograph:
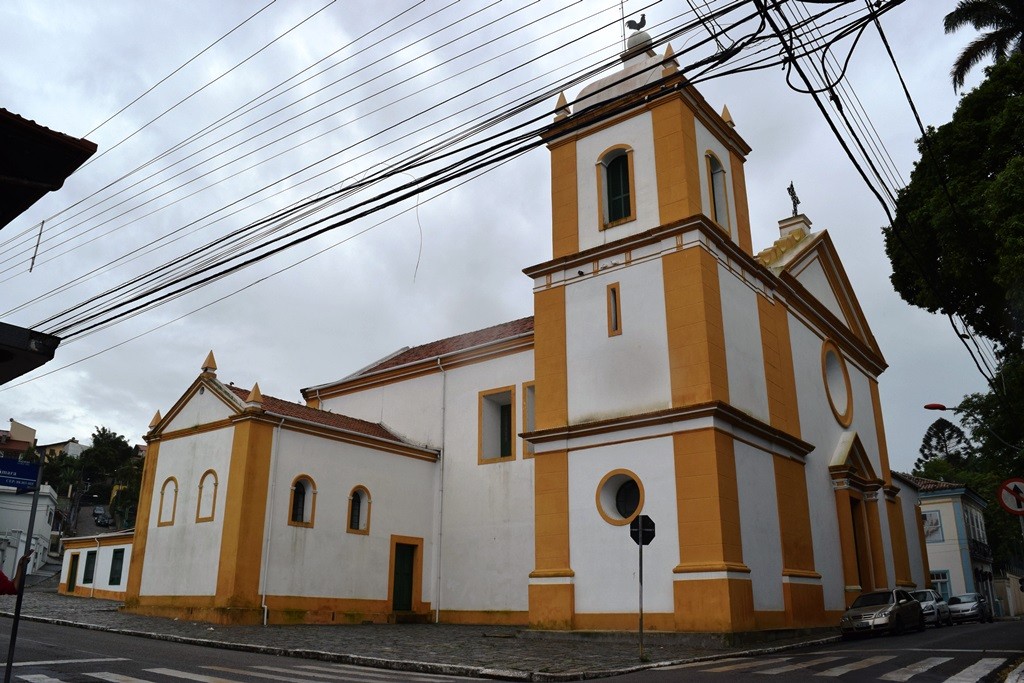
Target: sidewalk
(501, 652)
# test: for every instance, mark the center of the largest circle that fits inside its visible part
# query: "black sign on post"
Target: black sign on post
(641, 530)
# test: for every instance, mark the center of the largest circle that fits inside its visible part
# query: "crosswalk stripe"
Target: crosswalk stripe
(55, 662)
(748, 664)
(802, 665)
(977, 671)
(387, 674)
(191, 676)
(854, 666)
(256, 674)
(313, 674)
(116, 678)
(907, 672)
(706, 662)
(39, 678)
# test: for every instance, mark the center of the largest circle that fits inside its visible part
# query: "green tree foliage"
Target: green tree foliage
(1002, 23)
(957, 244)
(946, 441)
(108, 452)
(995, 452)
(62, 472)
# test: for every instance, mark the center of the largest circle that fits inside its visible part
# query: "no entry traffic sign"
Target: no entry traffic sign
(1011, 496)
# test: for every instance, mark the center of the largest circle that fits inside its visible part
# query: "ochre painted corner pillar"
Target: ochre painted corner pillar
(134, 586)
(802, 592)
(241, 548)
(551, 591)
(712, 589)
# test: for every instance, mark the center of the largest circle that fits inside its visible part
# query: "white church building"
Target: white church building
(668, 370)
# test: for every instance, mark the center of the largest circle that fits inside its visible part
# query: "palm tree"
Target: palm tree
(1004, 22)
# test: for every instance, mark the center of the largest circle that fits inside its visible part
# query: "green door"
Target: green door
(72, 572)
(402, 593)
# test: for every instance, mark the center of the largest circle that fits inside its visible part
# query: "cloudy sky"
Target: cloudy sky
(390, 78)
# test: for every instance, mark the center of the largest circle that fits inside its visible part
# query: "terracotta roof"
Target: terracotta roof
(460, 342)
(926, 485)
(328, 419)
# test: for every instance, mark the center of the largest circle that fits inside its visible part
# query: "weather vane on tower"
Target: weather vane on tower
(637, 25)
(792, 195)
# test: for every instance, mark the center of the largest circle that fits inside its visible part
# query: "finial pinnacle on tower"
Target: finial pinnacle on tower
(792, 196)
(210, 364)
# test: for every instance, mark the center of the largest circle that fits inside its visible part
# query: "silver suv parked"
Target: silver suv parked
(934, 608)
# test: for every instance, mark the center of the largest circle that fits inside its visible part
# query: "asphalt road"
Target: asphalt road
(960, 654)
(50, 654)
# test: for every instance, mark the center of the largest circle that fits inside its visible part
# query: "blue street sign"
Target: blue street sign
(18, 474)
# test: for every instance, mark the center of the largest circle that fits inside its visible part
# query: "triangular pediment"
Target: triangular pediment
(205, 402)
(819, 270)
(850, 460)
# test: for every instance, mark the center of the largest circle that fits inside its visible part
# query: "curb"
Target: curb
(434, 667)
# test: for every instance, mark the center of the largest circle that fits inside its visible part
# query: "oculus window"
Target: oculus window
(620, 497)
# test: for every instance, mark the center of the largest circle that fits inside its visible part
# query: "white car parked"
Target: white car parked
(934, 608)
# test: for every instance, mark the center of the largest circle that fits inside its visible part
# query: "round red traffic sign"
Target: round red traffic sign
(1011, 495)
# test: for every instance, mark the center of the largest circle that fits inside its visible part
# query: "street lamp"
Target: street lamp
(939, 406)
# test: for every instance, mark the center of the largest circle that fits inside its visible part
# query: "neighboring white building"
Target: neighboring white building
(96, 566)
(15, 510)
(959, 557)
(491, 477)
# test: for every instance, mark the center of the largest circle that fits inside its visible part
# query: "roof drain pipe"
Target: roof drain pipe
(269, 519)
(95, 564)
(440, 504)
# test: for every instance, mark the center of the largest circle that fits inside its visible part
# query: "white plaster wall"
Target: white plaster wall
(706, 141)
(183, 559)
(744, 354)
(759, 525)
(813, 278)
(486, 544)
(637, 132)
(201, 409)
(945, 555)
(610, 376)
(603, 556)
(334, 562)
(410, 409)
(819, 427)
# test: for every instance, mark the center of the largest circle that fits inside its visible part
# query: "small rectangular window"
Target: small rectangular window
(497, 424)
(116, 564)
(90, 567)
(940, 583)
(614, 310)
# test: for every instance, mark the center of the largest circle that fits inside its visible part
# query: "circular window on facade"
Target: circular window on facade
(620, 497)
(837, 383)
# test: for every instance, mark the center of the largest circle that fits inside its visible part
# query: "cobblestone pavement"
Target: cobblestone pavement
(489, 651)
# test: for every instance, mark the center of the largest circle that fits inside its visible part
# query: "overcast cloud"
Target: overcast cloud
(449, 264)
